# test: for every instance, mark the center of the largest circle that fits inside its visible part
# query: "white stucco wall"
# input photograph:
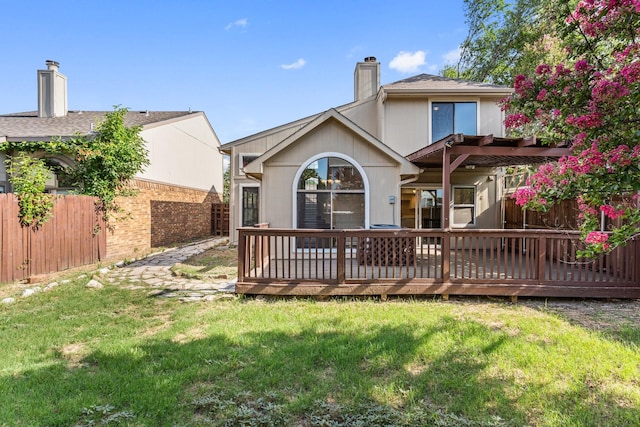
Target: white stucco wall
(184, 153)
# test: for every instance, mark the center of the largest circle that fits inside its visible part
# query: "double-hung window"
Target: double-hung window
(464, 206)
(453, 117)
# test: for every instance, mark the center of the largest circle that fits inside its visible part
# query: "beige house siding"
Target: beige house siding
(366, 115)
(331, 138)
(406, 124)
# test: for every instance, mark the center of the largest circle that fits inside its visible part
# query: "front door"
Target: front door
(250, 212)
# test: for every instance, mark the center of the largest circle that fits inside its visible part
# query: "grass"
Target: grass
(78, 357)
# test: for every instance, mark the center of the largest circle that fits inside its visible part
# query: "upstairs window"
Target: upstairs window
(453, 117)
(245, 159)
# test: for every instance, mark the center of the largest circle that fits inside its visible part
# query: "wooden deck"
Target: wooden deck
(412, 262)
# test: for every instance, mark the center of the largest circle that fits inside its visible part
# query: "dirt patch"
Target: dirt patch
(618, 319)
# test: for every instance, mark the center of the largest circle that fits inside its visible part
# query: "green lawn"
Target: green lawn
(78, 356)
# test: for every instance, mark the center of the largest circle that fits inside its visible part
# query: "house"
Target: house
(175, 191)
(370, 162)
(425, 155)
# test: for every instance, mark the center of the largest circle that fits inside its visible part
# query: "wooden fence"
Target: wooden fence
(220, 219)
(560, 216)
(472, 262)
(74, 236)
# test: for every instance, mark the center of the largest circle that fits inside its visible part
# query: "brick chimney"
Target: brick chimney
(52, 91)
(366, 78)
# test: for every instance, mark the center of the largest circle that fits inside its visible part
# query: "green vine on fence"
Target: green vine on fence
(105, 162)
(29, 176)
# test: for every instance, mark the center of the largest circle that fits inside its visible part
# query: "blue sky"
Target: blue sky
(249, 65)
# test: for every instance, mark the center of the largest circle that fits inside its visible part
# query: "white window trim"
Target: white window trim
(454, 205)
(294, 187)
(241, 157)
(241, 192)
(454, 100)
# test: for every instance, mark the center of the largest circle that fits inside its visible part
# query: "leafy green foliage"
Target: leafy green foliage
(226, 185)
(507, 38)
(106, 160)
(29, 176)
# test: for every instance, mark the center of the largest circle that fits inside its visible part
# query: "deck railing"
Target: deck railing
(479, 262)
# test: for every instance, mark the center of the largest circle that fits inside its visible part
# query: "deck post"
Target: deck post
(341, 258)
(242, 254)
(446, 255)
(542, 258)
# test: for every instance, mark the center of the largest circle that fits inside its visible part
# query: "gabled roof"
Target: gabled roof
(28, 126)
(255, 168)
(297, 124)
(428, 83)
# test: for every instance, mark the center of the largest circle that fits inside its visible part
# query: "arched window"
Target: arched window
(330, 195)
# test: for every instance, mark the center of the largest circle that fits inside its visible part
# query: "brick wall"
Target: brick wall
(159, 215)
(178, 221)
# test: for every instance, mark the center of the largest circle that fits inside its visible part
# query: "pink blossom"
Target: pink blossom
(631, 72)
(542, 95)
(582, 65)
(524, 195)
(612, 212)
(608, 90)
(579, 138)
(597, 237)
(587, 121)
(516, 120)
(543, 69)
(522, 84)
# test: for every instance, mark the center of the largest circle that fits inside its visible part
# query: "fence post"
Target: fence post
(542, 258)
(242, 254)
(341, 258)
(446, 255)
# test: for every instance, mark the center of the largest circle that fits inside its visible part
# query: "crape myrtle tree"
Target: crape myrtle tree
(592, 103)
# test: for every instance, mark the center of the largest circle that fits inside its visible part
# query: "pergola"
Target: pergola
(458, 150)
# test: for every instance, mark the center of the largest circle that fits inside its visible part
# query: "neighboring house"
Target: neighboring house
(423, 152)
(175, 191)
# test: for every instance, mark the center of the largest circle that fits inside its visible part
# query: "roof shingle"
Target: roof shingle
(28, 126)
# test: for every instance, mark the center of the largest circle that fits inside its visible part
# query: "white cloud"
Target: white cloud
(408, 62)
(295, 65)
(242, 23)
(354, 50)
(452, 56)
